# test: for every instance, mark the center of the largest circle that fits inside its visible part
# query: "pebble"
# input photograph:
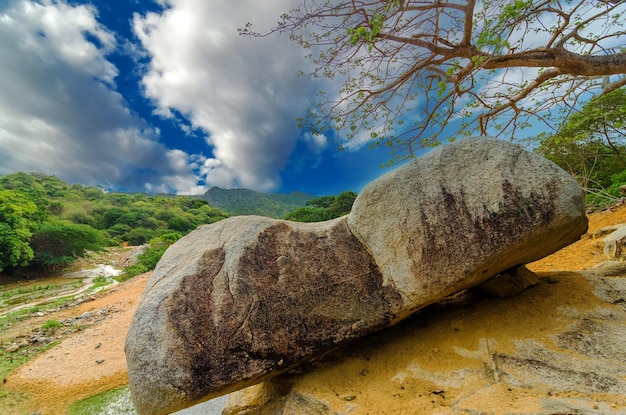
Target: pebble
(100, 361)
(12, 348)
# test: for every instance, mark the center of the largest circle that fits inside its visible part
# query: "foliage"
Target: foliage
(18, 218)
(50, 326)
(249, 202)
(151, 256)
(324, 208)
(591, 146)
(51, 222)
(308, 214)
(57, 244)
(408, 69)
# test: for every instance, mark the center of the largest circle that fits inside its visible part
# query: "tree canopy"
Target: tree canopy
(324, 208)
(17, 223)
(410, 68)
(591, 146)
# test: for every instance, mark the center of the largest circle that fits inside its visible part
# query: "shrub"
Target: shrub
(51, 326)
(57, 243)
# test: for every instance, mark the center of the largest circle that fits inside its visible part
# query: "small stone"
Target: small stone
(12, 348)
(348, 397)
(97, 345)
(510, 282)
(100, 361)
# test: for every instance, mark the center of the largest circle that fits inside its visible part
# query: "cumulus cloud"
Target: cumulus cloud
(243, 93)
(59, 110)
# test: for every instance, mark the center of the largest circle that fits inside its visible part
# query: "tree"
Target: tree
(57, 244)
(323, 208)
(18, 219)
(591, 145)
(409, 68)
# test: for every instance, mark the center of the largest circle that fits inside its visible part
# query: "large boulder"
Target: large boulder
(464, 213)
(247, 298)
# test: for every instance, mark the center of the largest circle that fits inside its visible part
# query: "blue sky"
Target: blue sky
(163, 96)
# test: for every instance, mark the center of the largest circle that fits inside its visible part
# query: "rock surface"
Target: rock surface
(463, 213)
(247, 298)
(614, 243)
(234, 302)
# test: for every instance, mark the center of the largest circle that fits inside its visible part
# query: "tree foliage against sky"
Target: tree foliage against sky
(410, 68)
(591, 145)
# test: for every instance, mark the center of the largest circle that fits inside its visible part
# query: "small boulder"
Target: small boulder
(614, 243)
(510, 282)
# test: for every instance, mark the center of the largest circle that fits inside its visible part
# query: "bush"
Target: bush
(139, 236)
(151, 256)
(57, 243)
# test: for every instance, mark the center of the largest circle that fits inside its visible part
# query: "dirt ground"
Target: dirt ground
(70, 371)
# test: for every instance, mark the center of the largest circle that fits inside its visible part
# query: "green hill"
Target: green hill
(249, 202)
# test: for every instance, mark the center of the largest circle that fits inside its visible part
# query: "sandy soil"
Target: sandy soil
(70, 371)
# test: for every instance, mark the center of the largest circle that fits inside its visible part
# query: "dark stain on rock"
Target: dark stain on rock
(295, 295)
(476, 236)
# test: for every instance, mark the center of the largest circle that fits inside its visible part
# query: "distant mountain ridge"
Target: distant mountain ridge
(249, 202)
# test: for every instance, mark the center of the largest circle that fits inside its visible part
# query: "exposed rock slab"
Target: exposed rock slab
(464, 213)
(236, 301)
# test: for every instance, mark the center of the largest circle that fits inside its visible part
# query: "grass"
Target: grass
(29, 290)
(51, 326)
(8, 319)
(100, 281)
(12, 400)
(113, 402)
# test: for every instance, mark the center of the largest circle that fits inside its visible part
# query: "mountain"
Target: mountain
(249, 202)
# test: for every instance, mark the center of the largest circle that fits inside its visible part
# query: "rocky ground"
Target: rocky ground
(465, 357)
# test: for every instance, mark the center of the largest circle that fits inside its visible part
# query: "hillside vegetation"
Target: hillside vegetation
(249, 202)
(46, 223)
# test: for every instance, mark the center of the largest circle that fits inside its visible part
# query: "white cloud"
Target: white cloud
(244, 93)
(59, 111)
